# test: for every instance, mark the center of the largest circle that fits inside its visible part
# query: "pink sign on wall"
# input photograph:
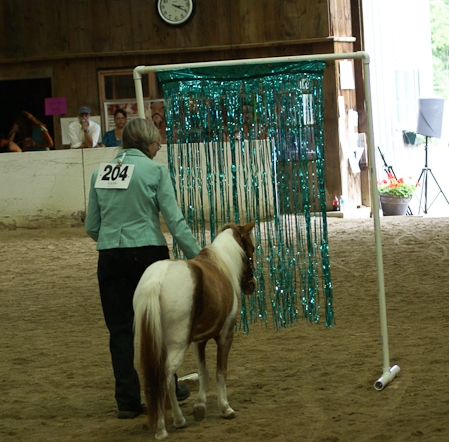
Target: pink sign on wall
(55, 106)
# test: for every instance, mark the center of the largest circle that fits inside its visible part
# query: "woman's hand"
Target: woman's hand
(29, 143)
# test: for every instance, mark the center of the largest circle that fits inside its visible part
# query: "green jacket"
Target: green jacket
(119, 218)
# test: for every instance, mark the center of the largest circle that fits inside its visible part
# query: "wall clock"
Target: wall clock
(176, 12)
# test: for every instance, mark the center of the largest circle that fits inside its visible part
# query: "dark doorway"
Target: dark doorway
(28, 95)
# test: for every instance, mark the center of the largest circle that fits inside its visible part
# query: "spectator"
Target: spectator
(158, 116)
(28, 133)
(8, 146)
(113, 137)
(83, 133)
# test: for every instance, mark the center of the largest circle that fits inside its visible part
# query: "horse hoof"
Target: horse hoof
(198, 412)
(182, 423)
(161, 435)
(229, 414)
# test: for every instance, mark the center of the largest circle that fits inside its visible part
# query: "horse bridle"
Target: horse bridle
(250, 263)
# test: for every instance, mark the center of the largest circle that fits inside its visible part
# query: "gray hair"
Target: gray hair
(139, 133)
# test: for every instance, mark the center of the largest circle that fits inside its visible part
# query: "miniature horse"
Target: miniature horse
(183, 301)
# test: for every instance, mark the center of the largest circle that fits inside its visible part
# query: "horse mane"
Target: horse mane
(227, 253)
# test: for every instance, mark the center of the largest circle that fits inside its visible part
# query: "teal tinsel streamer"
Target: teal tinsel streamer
(246, 143)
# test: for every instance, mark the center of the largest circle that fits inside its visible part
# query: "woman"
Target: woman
(9, 146)
(114, 137)
(125, 223)
(29, 133)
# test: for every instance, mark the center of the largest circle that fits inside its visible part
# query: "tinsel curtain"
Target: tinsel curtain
(246, 143)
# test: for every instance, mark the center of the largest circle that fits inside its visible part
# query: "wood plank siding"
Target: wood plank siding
(45, 29)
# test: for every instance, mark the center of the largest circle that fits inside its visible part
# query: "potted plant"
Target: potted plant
(395, 195)
(409, 137)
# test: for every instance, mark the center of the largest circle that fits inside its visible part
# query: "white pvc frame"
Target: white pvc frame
(389, 373)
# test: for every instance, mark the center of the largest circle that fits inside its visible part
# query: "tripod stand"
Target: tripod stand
(424, 175)
(389, 169)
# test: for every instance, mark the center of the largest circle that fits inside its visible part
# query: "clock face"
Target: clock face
(175, 12)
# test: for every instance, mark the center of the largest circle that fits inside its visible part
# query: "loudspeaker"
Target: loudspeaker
(430, 116)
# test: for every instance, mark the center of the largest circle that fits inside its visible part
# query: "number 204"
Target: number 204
(113, 173)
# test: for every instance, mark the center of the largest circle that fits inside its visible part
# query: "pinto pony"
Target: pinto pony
(183, 301)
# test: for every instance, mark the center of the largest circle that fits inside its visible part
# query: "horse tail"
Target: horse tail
(148, 329)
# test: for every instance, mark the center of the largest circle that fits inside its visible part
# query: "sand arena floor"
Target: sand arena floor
(303, 383)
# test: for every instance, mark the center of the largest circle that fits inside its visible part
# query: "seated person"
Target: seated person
(83, 133)
(113, 137)
(158, 116)
(8, 146)
(29, 133)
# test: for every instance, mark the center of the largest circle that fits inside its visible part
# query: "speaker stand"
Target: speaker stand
(424, 175)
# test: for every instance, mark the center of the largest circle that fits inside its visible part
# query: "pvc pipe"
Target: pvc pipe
(249, 61)
(377, 235)
(139, 70)
(139, 91)
(388, 374)
(387, 377)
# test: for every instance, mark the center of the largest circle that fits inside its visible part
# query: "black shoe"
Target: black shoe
(182, 392)
(124, 414)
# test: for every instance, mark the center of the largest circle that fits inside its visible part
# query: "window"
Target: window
(117, 91)
(407, 94)
(119, 85)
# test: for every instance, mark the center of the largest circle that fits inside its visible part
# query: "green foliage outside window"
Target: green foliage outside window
(439, 22)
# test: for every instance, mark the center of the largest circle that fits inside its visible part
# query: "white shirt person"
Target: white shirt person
(83, 133)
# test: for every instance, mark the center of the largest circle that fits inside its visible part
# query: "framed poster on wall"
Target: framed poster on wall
(130, 107)
(154, 111)
(157, 108)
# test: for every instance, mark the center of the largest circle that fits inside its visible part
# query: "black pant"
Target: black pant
(119, 271)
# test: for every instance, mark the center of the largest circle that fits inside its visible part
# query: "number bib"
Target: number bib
(111, 176)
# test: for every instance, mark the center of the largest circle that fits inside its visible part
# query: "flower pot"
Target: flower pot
(409, 137)
(394, 205)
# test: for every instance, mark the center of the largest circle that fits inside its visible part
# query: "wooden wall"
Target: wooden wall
(71, 40)
(42, 29)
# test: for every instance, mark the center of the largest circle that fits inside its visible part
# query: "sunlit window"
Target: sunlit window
(407, 94)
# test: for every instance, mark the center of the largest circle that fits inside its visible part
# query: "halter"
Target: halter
(250, 261)
(251, 266)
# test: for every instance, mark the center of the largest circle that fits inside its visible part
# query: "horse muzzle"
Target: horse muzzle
(249, 286)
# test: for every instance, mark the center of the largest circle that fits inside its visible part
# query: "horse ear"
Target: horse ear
(248, 227)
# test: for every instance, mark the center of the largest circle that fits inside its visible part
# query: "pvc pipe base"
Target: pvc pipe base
(387, 377)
